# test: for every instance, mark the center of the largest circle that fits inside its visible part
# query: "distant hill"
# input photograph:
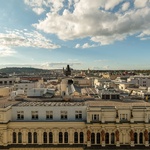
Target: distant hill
(23, 70)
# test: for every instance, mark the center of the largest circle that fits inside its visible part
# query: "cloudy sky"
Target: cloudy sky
(95, 34)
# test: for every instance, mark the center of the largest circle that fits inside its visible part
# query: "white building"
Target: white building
(40, 92)
(25, 86)
(140, 80)
(49, 111)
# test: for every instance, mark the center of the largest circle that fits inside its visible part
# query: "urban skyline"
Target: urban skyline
(104, 34)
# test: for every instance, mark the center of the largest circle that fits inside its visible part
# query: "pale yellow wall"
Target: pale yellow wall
(4, 91)
(124, 130)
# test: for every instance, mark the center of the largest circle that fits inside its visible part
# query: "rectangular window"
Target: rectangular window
(63, 115)
(123, 117)
(20, 115)
(34, 115)
(78, 114)
(95, 117)
(49, 114)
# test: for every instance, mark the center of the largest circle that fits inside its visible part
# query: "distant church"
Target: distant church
(67, 71)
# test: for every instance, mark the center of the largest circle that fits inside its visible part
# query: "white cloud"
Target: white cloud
(145, 35)
(20, 38)
(97, 20)
(38, 10)
(125, 6)
(140, 3)
(106, 67)
(77, 46)
(85, 45)
(101, 60)
(6, 51)
(38, 6)
(45, 65)
(106, 40)
(110, 4)
(59, 65)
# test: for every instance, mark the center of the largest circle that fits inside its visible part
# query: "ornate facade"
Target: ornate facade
(95, 125)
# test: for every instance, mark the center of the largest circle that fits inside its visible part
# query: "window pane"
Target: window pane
(107, 138)
(35, 137)
(66, 137)
(29, 137)
(81, 137)
(76, 137)
(60, 137)
(93, 138)
(14, 137)
(19, 137)
(45, 137)
(50, 137)
(98, 138)
(135, 138)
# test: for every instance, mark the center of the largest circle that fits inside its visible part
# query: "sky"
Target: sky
(94, 34)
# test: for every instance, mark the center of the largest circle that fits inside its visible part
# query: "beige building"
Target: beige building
(96, 124)
(7, 81)
(6, 90)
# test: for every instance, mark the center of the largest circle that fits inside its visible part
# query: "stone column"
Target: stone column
(55, 136)
(5, 137)
(1, 138)
(39, 135)
(70, 134)
(146, 117)
(85, 136)
(24, 136)
(9, 136)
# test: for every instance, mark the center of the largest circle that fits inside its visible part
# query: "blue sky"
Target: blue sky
(98, 34)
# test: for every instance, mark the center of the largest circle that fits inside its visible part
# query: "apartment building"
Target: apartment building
(140, 80)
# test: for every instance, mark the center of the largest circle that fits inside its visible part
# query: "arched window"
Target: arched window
(81, 137)
(98, 138)
(14, 137)
(35, 137)
(76, 137)
(60, 137)
(50, 137)
(141, 138)
(29, 137)
(19, 137)
(112, 138)
(93, 138)
(135, 138)
(107, 138)
(66, 137)
(45, 137)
